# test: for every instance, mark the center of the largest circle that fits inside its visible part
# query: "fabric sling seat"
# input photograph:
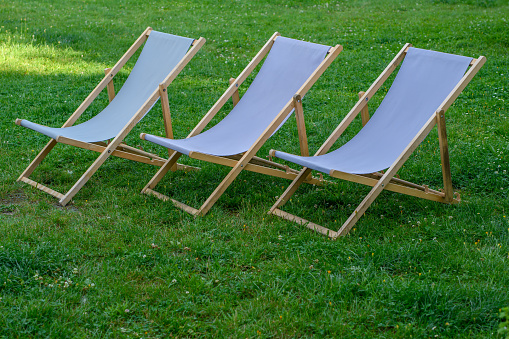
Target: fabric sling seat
(426, 85)
(290, 69)
(163, 57)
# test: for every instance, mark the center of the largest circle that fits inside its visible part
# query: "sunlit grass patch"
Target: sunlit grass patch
(31, 59)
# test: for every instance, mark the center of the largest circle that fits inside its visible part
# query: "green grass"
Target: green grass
(115, 263)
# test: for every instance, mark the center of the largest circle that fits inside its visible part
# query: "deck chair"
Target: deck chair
(289, 71)
(426, 85)
(163, 57)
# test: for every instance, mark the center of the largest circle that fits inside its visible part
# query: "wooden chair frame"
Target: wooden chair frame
(116, 146)
(247, 160)
(388, 181)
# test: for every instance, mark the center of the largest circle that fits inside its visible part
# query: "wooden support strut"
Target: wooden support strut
(110, 87)
(256, 166)
(235, 95)
(444, 156)
(364, 110)
(301, 125)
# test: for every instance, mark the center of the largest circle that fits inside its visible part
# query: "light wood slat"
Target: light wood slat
(364, 110)
(301, 125)
(264, 162)
(110, 87)
(165, 105)
(251, 167)
(187, 168)
(292, 188)
(390, 186)
(304, 222)
(444, 156)
(162, 171)
(395, 180)
(235, 95)
(130, 149)
(117, 153)
(38, 159)
(177, 203)
(41, 187)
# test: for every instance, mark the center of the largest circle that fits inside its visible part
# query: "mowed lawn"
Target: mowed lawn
(117, 263)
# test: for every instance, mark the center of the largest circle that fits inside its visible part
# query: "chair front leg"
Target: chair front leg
(162, 171)
(290, 190)
(38, 159)
(301, 125)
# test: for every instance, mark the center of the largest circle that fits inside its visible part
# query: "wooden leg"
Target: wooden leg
(290, 190)
(112, 146)
(110, 87)
(42, 154)
(220, 189)
(89, 172)
(235, 95)
(301, 125)
(165, 105)
(364, 111)
(444, 156)
(162, 171)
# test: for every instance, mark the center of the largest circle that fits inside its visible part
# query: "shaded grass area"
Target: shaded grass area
(115, 263)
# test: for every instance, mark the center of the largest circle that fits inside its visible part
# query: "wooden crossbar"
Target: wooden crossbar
(42, 187)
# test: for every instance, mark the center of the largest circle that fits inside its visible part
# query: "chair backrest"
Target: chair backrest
(287, 67)
(161, 53)
(423, 82)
